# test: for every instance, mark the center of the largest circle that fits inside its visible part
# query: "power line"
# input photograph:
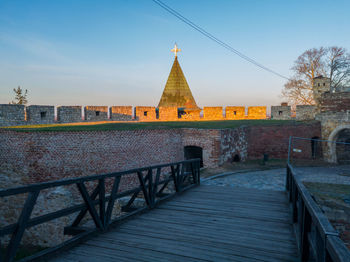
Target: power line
(215, 39)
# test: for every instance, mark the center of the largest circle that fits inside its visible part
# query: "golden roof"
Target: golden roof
(177, 92)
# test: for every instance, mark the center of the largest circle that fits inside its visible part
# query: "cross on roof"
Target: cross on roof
(175, 50)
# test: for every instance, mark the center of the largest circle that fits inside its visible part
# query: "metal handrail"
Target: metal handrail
(316, 237)
(99, 204)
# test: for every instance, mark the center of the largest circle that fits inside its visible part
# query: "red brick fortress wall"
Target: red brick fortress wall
(43, 156)
(274, 140)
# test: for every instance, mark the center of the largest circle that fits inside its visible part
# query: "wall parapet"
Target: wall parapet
(11, 115)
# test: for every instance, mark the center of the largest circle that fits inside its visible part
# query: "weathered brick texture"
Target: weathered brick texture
(335, 102)
(120, 113)
(274, 140)
(96, 113)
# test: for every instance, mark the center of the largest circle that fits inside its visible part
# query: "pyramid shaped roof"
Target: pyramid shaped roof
(177, 92)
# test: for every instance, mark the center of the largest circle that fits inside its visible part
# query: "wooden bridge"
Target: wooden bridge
(205, 223)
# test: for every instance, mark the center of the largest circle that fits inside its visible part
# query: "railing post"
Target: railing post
(102, 201)
(21, 226)
(151, 192)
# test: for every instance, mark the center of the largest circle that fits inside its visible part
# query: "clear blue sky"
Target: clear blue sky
(80, 52)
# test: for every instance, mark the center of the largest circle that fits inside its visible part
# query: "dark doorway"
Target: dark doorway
(192, 152)
(315, 148)
(343, 150)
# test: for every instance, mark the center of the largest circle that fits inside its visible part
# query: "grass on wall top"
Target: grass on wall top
(150, 125)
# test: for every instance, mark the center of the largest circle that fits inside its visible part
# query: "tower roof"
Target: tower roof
(177, 92)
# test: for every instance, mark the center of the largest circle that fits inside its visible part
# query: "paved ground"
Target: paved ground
(275, 179)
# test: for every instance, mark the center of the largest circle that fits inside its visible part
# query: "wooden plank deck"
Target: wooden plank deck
(207, 223)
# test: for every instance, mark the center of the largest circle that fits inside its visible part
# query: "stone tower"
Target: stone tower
(177, 93)
(321, 85)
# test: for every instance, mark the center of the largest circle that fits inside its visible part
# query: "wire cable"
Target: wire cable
(215, 39)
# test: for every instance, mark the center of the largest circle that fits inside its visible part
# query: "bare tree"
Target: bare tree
(298, 90)
(20, 97)
(339, 68)
(333, 62)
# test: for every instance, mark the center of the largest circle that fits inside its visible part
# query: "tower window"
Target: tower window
(324, 84)
(235, 112)
(97, 113)
(145, 113)
(319, 84)
(280, 113)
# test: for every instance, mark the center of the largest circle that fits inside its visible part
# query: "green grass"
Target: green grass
(329, 191)
(152, 125)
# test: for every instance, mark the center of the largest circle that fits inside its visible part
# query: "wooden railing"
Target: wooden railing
(317, 239)
(153, 185)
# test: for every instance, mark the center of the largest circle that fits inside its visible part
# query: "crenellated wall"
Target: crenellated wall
(11, 115)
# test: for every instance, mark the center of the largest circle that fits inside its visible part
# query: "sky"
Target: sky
(117, 52)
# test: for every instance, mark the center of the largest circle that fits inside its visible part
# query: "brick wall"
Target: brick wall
(96, 113)
(145, 113)
(45, 156)
(335, 102)
(213, 113)
(55, 155)
(235, 112)
(274, 139)
(168, 114)
(120, 113)
(256, 112)
(69, 114)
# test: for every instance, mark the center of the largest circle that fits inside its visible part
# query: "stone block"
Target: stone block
(256, 112)
(305, 112)
(168, 113)
(69, 114)
(145, 113)
(281, 112)
(38, 114)
(213, 113)
(96, 113)
(235, 112)
(120, 113)
(11, 115)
